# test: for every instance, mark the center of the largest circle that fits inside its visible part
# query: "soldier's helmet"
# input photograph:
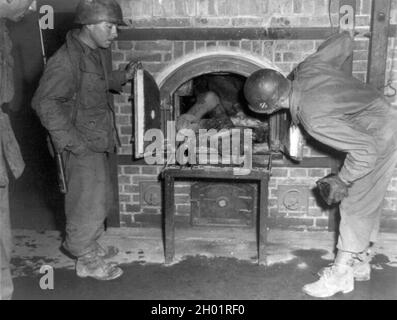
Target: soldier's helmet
(264, 88)
(96, 11)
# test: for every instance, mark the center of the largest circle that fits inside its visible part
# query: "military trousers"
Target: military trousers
(6, 285)
(361, 210)
(87, 201)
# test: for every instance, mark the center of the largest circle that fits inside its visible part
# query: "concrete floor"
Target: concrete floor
(210, 263)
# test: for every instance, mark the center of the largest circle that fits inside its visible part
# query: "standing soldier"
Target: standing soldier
(13, 10)
(75, 105)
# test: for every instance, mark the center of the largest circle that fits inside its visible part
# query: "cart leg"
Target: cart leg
(169, 230)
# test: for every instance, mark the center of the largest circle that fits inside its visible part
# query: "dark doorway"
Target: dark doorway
(35, 201)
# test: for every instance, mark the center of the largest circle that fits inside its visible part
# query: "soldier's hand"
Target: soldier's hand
(131, 69)
(332, 189)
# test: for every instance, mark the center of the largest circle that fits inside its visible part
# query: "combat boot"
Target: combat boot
(361, 266)
(337, 278)
(106, 253)
(92, 265)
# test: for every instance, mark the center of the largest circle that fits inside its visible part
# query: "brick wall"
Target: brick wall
(157, 55)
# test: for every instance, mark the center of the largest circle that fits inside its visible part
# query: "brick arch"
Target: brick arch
(219, 59)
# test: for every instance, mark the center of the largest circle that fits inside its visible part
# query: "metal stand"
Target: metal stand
(170, 174)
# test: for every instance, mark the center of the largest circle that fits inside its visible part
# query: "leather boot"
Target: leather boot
(337, 278)
(92, 265)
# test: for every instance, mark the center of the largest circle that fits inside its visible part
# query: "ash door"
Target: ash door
(223, 204)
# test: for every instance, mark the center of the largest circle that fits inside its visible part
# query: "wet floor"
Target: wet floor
(217, 278)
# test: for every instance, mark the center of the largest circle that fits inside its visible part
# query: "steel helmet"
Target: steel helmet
(96, 11)
(264, 88)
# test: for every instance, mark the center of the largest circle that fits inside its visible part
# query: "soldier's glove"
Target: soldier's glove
(332, 189)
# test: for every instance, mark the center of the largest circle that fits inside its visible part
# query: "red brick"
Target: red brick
(182, 199)
(278, 172)
(123, 119)
(246, 22)
(223, 43)
(148, 220)
(304, 21)
(178, 49)
(149, 170)
(316, 212)
(308, 7)
(292, 56)
(120, 99)
(144, 56)
(125, 109)
(268, 49)
(316, 173)
(320, 7)
(251, 8)
(125, 129)
(257, 47)
(285, 222)
(272, 202)
(295, 173)
(132, 170)
(361, 45)
(297, 6)
(163, 8)
(295, 214)
(169, 23)
(124, 179)
(125, 45)
(124, 198)
(133, 208)
(131, 189)
(273, 193)
(185, 7)
(365, 7)
(167, 57)
(125, 219)
(227, 7)
(363, 21)
(301, 45)
(189, 46)
(246, 45)
(153, 67)
(360, 55)
(151, 211)
(200, 45)
(206, 8)
(148, 46)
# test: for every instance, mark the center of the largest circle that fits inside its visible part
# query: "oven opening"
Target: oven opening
(216, 102)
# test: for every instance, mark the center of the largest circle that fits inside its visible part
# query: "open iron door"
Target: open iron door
(145, 109)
